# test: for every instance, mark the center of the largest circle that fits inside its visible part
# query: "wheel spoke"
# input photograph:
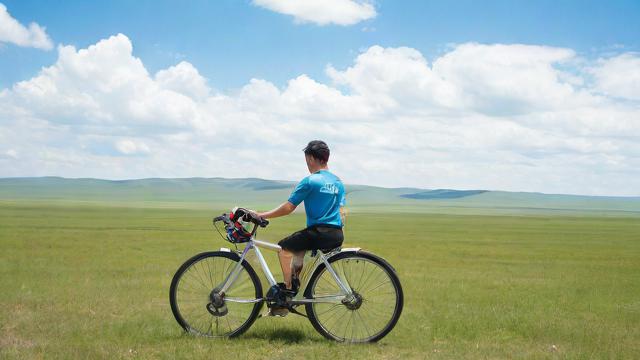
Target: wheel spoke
(210, 277)
(363, 323)
(196, 277)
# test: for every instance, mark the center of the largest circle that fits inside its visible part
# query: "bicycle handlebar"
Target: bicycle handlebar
(222, 217)
(262, 222)
(248, 216)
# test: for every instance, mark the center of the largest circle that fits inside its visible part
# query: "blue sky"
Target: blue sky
(231, 41)
(509, 95)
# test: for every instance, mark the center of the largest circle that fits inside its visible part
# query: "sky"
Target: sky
(501, 95)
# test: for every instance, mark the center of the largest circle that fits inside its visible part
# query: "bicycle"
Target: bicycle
(351, 295)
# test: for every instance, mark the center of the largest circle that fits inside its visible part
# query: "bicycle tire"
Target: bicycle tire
(361, 259)
(199, 293)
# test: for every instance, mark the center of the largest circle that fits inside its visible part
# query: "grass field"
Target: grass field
(90, 281)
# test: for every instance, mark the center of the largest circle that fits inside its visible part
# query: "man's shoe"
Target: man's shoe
(287, 292)
(295, 284)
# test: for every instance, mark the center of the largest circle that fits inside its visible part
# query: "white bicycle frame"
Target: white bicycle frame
(345, 291)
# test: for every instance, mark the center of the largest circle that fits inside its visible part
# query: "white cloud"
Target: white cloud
(185, 79)
(508, 79)
(511, 117)
(493, 79)
(105, 85)
(322, 12)
(618, 76)
(10, 154)
(11, 31)
(132, 147)
(395, 78)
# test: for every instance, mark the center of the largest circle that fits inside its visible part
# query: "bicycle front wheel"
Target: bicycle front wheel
(197, 305)
(373, 309)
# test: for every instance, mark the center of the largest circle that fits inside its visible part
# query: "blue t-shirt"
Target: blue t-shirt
(323, 195)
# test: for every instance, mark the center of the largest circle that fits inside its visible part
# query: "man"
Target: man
(323, 195)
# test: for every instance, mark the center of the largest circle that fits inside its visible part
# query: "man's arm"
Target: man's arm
(343, 214)
(285, 209)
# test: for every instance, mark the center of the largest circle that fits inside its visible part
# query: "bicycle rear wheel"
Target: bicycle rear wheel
(200, 311)
(373, 310)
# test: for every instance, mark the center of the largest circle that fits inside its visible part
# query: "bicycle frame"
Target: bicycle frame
(255, 245)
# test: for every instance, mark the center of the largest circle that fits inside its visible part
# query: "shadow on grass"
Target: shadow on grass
(279, 334)
(287, 336)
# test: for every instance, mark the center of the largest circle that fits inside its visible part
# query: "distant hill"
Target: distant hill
(222, 193)
(442, 194)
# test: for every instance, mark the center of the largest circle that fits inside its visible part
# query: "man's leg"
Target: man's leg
(291, 263)
(285, 257)
(296, 268)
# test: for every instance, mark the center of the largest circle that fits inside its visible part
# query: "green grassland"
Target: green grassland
(201, 193)
(90, 280)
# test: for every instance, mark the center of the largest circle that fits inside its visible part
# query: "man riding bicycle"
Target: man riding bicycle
(351, 295)
(323, 195)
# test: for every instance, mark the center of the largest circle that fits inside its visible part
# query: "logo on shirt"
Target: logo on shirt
(329, 189)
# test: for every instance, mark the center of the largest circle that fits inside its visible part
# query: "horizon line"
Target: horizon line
(293, 181)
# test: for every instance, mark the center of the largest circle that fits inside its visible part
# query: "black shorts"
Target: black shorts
(323, 237)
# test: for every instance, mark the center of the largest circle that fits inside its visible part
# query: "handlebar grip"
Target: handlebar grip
(224, 218)
(254, 218)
